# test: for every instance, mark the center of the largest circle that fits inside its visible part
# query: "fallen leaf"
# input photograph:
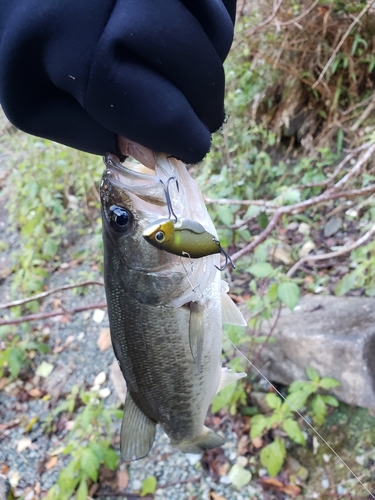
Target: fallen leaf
(51, 462)
(104, 340)
(3, 383)
(332, 226)
(257, 442)
(23, 444)
(306, 248)
(44, 369)
(239, 476)
(31, 424)
(291, 489)
(282, 255)
(215, 496)
(271, 482)
(118, 380)
(122, 480)
(58, 451)
(35, 393)
(222, 470)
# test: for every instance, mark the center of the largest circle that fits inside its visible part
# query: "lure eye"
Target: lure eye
(160, 236)
(120, 218)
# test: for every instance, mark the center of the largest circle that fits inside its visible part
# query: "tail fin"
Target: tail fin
(205, 441)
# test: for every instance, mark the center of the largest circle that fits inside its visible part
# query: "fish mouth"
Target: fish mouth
(138, 181)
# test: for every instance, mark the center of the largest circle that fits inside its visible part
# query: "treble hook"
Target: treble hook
(226, 255)
(168, 197)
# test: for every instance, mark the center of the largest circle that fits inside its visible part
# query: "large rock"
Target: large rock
(334, 335)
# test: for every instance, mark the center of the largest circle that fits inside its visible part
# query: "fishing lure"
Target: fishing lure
(183, 237)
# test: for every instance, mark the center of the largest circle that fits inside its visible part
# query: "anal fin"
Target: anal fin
(205, 441)
(227, 377)
(137, 432)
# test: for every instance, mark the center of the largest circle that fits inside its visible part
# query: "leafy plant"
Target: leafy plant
(51, 192)
(363, 274)
(301, 394)
(15, 351)
(86, 446)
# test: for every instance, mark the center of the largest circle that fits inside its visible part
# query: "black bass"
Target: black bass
(165, 311)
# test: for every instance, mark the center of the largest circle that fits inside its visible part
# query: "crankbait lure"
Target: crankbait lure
(183, 237)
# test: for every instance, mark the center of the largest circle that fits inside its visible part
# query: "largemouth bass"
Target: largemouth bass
(165, 311)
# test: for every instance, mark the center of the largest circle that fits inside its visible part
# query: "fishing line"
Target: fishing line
(302, 417)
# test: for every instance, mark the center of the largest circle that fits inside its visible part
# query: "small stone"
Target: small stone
(193, 458)
(100, 378)
(98, 315)
(104, 393)
(137, 484)
(242, 461)
(306, 248)
(341, 490)
(325, 483)
(304, 229)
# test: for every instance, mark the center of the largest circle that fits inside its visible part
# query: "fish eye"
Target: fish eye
(119, 217)
(160, 236)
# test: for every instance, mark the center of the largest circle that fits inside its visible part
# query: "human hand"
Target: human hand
(147, 70)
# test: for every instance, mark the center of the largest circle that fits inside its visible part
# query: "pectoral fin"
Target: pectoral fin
(196, 332)
(205, 441)
(231, 315)
(227, 377)
(137, 432)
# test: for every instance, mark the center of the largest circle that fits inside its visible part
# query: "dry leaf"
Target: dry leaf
(51, 462)
(272, 482)
(104, 340)
(215, 496)
(31, 424)
(257, 442)
(23, 444)
(3, 382)
(35, 393)
(58, 451)
(292, 490)
(122, 480)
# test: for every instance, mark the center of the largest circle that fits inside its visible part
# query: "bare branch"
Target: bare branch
(297, 208)
(335, 173)
(301, 16)
(356, 169)
(339, 45)
(51, 291)
(309, 258)
(45, 315)
(228, 201)
(276, 7)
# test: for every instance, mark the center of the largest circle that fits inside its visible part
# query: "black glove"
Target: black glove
(82, 72)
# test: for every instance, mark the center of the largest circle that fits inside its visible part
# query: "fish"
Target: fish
(165, 311)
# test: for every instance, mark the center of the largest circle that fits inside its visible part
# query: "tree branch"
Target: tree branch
(58, 312)
(339, 45)
(363, 239)
(51, 291)
(297, 208)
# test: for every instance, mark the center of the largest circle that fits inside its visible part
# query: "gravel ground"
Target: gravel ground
(79, 363)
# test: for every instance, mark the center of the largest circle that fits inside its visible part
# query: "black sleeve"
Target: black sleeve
(82, 72)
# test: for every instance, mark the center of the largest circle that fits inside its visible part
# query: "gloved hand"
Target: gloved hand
(85, 72)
